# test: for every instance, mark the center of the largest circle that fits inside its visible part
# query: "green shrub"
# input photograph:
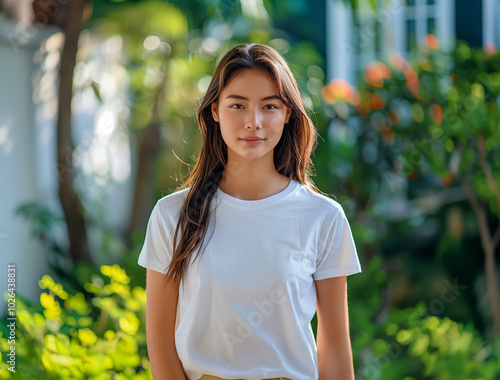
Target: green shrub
(411, 343)
(98, 336)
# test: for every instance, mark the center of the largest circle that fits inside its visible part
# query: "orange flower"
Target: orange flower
(363, 108)
(398, 61)
(377, 102)
(355, 98)
(340, 89)
(453, 78)
(413, 88)
(489, 49)
(410, 74)
(393, 118)
(432, 41)
(387, 135)
(436, 113)
(376, 72)
(337, 89)
(412, 81)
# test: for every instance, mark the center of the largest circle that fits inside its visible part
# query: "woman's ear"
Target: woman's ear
(214, 112)
(288, 113)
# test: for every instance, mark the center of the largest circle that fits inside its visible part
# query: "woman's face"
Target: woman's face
(250, 107)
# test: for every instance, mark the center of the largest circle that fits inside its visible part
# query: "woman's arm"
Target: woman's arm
(333, 340)
(161, 310)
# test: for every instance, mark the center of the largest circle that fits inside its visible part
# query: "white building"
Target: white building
(399, 25)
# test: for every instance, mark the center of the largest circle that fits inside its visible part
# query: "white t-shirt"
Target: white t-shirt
(246, 304)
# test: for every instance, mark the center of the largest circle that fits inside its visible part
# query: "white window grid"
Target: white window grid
(399, 27)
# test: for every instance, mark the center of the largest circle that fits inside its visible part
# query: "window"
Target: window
(367, 34)
(422, 17)
(356, 39)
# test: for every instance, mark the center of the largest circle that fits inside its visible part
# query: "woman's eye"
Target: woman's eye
(236, 106)
(272, 105)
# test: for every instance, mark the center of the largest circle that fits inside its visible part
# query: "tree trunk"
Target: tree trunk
(149, 145)
(489, 246)
(490, 269)
(70, 201)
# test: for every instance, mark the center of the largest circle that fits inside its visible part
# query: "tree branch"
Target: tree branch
(487, 172)
(478, 210)
(496, 237)
(491, 183)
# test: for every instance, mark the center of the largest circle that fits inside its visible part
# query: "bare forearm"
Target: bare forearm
(161, 306)
(166, 367)
(333, 340)
(333, 365)
(334, 354)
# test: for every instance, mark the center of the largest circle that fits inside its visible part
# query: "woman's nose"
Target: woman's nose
(253, 119)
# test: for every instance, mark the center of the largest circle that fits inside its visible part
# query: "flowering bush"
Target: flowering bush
(436, 118)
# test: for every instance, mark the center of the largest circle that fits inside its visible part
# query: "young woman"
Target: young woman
(243, 254)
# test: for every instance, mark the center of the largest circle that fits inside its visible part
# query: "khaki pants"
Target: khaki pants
(210, 377)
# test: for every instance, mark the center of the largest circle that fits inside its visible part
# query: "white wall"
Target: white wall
(20, 152)
(103, 156)
(491, 24)
(339, 41)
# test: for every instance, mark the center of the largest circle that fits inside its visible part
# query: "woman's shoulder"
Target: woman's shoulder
(173, 201)
(317, 201)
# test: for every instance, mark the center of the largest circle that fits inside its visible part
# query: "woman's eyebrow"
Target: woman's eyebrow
(233, 96)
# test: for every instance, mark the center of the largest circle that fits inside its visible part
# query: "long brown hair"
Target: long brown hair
(291, 154)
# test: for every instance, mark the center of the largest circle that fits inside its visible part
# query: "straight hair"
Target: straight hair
(292, 154)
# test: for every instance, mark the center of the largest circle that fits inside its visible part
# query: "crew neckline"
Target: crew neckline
(258, 202)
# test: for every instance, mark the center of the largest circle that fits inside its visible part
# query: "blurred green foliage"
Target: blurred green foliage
(96, 335)
(412, 343)
(407, 140)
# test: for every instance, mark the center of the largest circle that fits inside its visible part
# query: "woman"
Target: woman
(241, 255)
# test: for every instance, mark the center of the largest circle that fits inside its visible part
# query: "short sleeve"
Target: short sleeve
(338, 255)
(156, 252)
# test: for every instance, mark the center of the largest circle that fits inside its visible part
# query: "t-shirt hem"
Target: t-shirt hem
(344, 271)
(148, 264)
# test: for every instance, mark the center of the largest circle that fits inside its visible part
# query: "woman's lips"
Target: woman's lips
(252, 141)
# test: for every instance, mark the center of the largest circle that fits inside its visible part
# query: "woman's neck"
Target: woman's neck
(251, 182)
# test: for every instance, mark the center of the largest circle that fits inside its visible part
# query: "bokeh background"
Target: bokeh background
(97, 121)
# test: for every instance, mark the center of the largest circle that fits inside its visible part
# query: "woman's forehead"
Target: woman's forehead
(251, 81)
